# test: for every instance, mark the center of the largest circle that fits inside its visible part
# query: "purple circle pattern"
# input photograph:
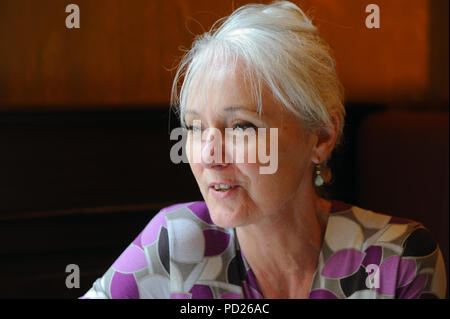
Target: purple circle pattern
(216, 242)
(343, 263)
(201, 292)
(132, 259)
(230, 295)
(322, 294)
(201, 211)
(124, 286)
(373, 256)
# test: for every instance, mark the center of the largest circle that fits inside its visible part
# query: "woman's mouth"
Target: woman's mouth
(223, 190)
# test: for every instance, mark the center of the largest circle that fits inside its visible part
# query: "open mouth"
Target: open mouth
(223, 190)
(223, 187)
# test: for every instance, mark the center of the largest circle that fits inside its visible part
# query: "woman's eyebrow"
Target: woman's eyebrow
(191, 112)
(229, 109)
(235, 108)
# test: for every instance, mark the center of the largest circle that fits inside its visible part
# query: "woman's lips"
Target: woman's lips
(223, 190)
(223, 183)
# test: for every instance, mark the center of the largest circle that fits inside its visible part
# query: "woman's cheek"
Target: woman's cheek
(246, 153)
(252, 152)
(194, 148)
(241, 148)
(195, 167)
(189, 148)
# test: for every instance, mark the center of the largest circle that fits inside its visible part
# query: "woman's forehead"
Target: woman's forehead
(227, 95)
(224, 110)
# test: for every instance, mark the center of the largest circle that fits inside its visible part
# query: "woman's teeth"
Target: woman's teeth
(222, 187)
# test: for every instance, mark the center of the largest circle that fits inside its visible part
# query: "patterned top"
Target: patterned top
(182, 254)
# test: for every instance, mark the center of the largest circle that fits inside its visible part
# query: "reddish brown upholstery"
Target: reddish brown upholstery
(403, 168)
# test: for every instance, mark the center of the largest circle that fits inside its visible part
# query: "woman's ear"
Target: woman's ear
(326, 139)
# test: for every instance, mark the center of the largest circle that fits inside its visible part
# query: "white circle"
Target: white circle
(186, 241)
(343, 233)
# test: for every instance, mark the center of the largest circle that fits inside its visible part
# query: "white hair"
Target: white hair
(279, 48)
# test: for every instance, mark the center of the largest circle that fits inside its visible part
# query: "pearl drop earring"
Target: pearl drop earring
(318, 181)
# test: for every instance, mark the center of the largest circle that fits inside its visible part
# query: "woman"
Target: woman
(268, 235)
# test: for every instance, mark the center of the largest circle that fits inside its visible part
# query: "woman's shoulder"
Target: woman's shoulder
(368, 227)
(402, 236)
(403, 253)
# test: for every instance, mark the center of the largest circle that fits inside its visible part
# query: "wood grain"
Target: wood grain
(120, 56)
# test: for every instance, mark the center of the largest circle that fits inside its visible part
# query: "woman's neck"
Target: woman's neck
(283, 249)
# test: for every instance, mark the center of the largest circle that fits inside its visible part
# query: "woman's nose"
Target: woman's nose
(212, 156)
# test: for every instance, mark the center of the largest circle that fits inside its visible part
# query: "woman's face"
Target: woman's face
(254, 197)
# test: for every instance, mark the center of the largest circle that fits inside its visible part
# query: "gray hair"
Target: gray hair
(279, 47)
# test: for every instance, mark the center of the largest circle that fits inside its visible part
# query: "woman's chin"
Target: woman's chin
(226, 217)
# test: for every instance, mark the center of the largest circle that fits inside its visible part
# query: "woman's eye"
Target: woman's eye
(243, 126)
(193, 128)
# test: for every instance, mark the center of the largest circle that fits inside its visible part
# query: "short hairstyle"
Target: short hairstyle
(280, 48)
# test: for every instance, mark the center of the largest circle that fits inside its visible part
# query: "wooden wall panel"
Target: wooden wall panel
(121, 54)
(386, 65)
(439, 55)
